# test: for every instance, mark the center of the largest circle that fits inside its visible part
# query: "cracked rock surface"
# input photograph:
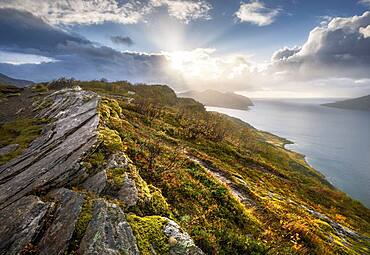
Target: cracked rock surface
(20, 223)
(52, 159)
(108, 232)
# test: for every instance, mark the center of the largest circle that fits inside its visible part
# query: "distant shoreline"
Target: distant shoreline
(306, 158)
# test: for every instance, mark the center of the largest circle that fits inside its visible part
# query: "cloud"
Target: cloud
(365, 31)
(257, 13)
(66, 12)
(125, 40)
(24, 32)
(21, 58)
(340, 48)
(185, 10)
(336, 55)
(284, 53)
(365, 2)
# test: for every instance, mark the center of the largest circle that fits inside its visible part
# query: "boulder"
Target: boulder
(96, 183)
(128, 193)
(180, 241)
(108, 232)
(56, 238)
(20, 223)
(118, 160)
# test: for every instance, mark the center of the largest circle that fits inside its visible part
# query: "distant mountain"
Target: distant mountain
(16, 82)
(360, 103)
(219, 99)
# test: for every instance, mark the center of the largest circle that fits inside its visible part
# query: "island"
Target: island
(219, 99)
(359, 103)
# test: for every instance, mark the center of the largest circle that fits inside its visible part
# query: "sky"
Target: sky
(259, 48)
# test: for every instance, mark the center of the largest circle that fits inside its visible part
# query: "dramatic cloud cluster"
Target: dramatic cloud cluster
(257, 13)
(70, 12)
(56, 53)
(22, 31)
(340, 48)
(335, 55)
(125, 40)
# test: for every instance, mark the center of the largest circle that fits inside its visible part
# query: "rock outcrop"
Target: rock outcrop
(180, 241)
(52, 160)
(96, 183)
(51, 204)
(108, 232)
(28, 218)
(20, 223)
(56, 238)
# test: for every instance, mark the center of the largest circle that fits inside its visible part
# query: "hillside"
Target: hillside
(6, 80)
(114, 168)
(360, 103)
(219, 99)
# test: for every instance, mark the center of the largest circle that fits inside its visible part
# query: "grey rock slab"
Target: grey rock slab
(52, 160)
(56, 238)
(96, 183)
(108, 232)
(20, 223)
(9, 148)
(128, 193)
(180, 241)
(338, 228)
(118, 160)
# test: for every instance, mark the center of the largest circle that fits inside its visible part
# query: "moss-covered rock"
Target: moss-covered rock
(149, 234)
(110, 139)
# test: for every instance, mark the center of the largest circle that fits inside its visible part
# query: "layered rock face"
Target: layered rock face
(40, 212)
(52, 160)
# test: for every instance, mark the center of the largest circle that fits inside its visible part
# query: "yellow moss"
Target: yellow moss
(149, 234)
(117, 175)
(109, 108)
(110, 139)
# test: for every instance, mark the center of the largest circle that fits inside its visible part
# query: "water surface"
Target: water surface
(336, 142)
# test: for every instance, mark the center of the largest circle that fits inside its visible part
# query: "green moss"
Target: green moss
(151, 200)
(22, 132)
(94, 161)
(117, 176)
(149, 234)
(81, 225)
(109, 108)
(110, 139)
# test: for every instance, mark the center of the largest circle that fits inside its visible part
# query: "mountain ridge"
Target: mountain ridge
(359, 103)
(6, 80)
(219, 99)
